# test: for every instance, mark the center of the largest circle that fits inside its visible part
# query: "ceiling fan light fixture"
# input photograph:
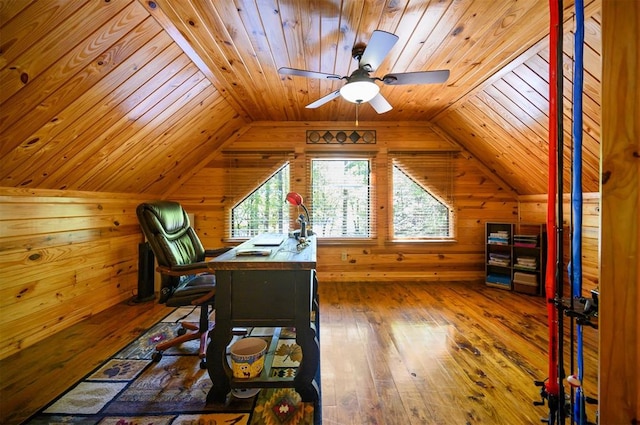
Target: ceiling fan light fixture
(360, 86)
(359, 91)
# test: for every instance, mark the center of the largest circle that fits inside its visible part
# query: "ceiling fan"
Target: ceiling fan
(361, 87)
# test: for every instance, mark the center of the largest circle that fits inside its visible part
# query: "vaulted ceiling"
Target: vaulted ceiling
(127, 95)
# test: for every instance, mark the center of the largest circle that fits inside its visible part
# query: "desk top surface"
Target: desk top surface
(287, 256)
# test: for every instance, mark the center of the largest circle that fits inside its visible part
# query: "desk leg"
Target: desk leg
(304, 381)
(216, 356)
(308, 339)
(220, 339)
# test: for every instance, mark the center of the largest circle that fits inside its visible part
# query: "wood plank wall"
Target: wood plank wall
(480, 197)
(533, 209)
(64, 256)
(620, 223)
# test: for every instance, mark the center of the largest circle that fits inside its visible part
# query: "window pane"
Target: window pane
(341, 197)
(416, 213)
(265, 209)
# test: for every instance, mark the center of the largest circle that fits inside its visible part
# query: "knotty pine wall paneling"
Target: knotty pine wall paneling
(479, 195)
(533, 209)
(64, 256)
(619, 318)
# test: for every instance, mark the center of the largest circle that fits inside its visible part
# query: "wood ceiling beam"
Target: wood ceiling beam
(166, 16)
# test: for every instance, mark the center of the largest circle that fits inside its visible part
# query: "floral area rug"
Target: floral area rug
(132, 389)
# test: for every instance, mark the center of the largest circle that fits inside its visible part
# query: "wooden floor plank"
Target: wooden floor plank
(391, 353)
(35, 376)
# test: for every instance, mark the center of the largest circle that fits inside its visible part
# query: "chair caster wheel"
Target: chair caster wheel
(182, 331)
(157, 356)
(203, 364)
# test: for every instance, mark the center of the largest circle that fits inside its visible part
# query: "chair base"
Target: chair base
(184, 337)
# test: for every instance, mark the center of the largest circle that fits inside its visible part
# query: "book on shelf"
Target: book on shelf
(501, 237)
(529, 263)
(526, 237)
(521, 267)
(498, 279)
(525, 245)
(525, 278)
(499, 259)
(500, 233)
(526, 241)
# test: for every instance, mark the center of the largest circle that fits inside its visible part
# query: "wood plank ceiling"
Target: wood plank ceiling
(133, 95)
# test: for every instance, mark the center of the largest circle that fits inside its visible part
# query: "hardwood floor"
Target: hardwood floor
(433, 353)
(35, 376)
(391, 353)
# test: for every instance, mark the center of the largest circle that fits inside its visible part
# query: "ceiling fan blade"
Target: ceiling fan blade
(323, 100)
(421, 77)
(379, 46)
(380, 104)
(308, 74)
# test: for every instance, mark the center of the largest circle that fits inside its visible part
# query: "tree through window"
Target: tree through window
(422, 187)
(264, 210)
(341, 197)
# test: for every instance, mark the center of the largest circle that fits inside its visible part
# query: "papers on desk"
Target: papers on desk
(254, 252)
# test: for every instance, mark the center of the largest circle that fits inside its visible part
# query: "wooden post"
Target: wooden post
(619, 316)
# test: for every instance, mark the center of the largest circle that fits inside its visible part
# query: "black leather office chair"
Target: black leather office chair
(186, 279)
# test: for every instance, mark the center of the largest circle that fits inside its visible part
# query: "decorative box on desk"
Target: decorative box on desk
(274, 290)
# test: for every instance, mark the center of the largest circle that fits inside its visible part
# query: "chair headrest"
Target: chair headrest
(169, 214)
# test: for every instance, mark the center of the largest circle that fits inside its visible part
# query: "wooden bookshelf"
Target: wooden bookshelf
(499, 255)
(515, 257)
(529, 258)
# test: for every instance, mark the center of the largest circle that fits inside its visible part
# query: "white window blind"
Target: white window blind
(423, 195)
(342, 197)
(255, 191)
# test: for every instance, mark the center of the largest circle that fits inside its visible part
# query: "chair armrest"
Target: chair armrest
(195, 268)
(187, 269)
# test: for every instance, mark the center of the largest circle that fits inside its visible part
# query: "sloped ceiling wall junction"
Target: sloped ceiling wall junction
(150, 91)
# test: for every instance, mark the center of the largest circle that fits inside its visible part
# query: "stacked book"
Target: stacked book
(525, 278)
(501, 237)
(498, 259)
(526, 263)
(526, 241)
(498, 279)
(525, 282)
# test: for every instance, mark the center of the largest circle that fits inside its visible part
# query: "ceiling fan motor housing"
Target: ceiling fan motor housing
(358, 51)
(360, 87)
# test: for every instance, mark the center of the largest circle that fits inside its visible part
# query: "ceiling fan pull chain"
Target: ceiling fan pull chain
(357, 105)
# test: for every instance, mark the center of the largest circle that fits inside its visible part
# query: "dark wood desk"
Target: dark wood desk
(278, 290)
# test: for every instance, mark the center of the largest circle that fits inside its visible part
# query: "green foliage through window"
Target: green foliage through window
(341, 195)
(265, 209)
(416, 213)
